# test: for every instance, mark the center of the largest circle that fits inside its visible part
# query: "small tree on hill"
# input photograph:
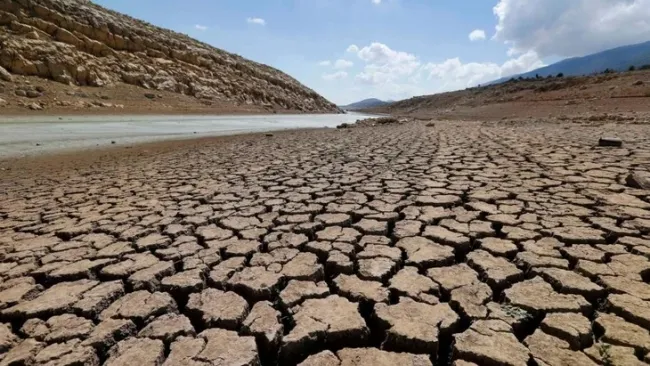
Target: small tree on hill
(632, 68)
(560, 75)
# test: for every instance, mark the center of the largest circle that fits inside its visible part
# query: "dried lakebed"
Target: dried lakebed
(464, 243)
(42, 134)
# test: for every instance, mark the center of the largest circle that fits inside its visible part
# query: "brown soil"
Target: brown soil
(498, 243)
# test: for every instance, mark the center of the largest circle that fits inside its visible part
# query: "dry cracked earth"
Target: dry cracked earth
(460, 243)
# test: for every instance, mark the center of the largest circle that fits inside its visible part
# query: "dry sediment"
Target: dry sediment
(496, 244)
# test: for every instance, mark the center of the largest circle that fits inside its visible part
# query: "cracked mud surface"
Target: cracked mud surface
(464, 243)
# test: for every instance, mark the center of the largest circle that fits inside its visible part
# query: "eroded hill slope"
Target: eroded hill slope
(78, 43)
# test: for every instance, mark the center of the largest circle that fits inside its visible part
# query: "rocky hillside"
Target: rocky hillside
(78, 43)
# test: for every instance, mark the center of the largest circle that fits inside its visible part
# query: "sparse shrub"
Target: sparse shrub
(560, 75)
(645, 67)
(632, 68)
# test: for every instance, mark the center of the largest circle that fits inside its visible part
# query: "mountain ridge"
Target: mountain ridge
(617, 59)
(366, 103)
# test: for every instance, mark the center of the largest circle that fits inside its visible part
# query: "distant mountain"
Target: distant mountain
(364, 104)
(618, 59)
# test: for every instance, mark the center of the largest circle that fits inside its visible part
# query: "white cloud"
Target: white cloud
(394, 74)
(258, 21)
(335, 76)
(325, 63)
(384, 65)
(376, 2)
(353, 48)
(477, 35)
(200, 27)
(571, 28)
(343, 64)
(456, 75)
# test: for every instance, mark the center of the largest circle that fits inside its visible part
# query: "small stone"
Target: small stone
(639, 180)
(610, 141)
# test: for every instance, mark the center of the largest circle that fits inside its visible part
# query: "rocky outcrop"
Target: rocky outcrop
(79, 43)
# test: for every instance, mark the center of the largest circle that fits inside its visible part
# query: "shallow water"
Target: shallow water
(20, 135)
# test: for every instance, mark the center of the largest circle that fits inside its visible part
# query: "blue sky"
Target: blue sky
(349, 50)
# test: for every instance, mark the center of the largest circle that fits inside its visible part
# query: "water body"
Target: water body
(42, 134)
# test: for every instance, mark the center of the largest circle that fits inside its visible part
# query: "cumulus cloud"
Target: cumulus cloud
(325, 63)
(457, 75)
(353, 48)
(477, 35)
(257, 21)
(200, 27)
(399, 74)
(343, 64)
(384, 65)
(571, 28)
(335, 76)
